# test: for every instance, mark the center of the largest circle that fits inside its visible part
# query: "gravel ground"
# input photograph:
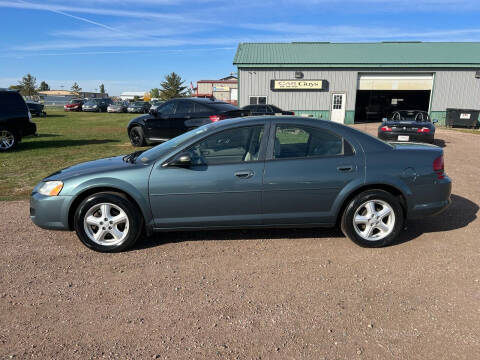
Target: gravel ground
(251, 294)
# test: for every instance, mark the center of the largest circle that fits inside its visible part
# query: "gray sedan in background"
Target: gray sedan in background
(248, 173)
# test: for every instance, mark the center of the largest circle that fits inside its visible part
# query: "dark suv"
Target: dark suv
(178, 116)
(97, 105)
(15, 120)
(266, 109)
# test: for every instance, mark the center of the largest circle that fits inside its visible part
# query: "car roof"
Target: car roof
(368, 142)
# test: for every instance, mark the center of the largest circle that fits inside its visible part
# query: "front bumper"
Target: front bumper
(413, 136)
(90, 109)
(135, 110)
(50, 212)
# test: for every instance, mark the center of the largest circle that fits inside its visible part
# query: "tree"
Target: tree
(28, 85)
(172, 87)
(43, 86)
(136, 98)
(102, 89)
(155, 93)
(76, 88)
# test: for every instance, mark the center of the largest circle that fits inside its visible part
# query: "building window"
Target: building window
(258, 100)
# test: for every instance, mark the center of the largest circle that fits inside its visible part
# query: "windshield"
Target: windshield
(75, 101)
(223, 106)
(163, 148)
(90, 102)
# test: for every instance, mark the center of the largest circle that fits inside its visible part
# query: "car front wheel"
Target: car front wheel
(108, 222)
(8, 139)
(373, 218)
(137, 137)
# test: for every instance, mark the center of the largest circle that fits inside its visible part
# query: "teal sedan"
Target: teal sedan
(248, 173)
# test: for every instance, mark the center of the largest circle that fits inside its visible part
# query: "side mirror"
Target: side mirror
(435, 121)
(384, 119)
(182, 160)
(153, 112)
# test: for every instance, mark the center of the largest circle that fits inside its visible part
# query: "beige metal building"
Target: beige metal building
(225, 89)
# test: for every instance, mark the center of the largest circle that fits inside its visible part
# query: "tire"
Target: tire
(137, 137)
(8, 139)
(367, 208)
(111, 235)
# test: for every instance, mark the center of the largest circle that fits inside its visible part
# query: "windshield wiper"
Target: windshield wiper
(132, 157)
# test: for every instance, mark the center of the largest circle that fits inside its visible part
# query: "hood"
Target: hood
(90, 167)
(72, 105)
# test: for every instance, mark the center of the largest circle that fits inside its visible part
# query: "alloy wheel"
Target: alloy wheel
(7, 139)
(106, 224)
(374, 220)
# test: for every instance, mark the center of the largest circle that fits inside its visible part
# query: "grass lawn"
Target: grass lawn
(65, 138)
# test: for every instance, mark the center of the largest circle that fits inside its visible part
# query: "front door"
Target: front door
(221, 188)
(159, 127)
(338, 108)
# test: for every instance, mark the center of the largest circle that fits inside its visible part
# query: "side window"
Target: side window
(293, 141)
(185, 107)
(229, 146)
(199, 108)
(167, 108)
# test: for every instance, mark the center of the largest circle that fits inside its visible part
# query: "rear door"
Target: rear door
(185, 111)
(306, 168)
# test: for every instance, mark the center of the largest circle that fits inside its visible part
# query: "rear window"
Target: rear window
(12, 102)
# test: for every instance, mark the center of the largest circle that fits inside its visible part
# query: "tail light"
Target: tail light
(386, 128)
(293, 112)
(439, 167)
(423, 130)
(215, 118)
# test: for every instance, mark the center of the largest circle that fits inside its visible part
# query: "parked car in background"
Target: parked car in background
(177, 116)
(244, 173)
(155, 104)
(117, 107)
(15, 120)
(139, 107)
(74, 105)
(98, 105)
(408, 125)
(36, 108)
(266, 110)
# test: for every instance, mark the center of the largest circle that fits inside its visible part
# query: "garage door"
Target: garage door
(389, 81)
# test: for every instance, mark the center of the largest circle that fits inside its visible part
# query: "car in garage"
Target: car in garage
(139, 107)
(266, 109)
(97, 105)
(15, 120)
(177, 116)
(252, 172)
(408, 125)
(36, 108)
(74, 105)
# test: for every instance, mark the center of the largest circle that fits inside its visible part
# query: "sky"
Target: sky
(132, 45)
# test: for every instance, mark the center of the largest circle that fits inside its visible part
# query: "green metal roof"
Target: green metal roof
(384, 54)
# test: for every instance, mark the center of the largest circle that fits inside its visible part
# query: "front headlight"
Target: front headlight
(51, 188)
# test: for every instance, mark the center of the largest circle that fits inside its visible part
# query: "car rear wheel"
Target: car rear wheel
(8, 139)
(373, 218)
(107, 222)
(137, 137)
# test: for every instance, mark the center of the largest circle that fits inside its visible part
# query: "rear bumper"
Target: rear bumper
(50, 212)
(30, 129)
(416, 137)
(436, 202)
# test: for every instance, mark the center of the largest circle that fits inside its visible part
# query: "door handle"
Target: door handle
(244, 174)
(345, 168)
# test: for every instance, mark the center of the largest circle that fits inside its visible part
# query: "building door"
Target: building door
(338, 108)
